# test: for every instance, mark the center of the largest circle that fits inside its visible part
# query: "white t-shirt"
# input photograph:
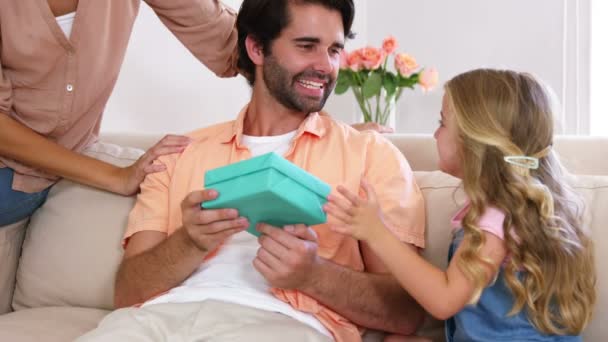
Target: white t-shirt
(260, 145)
(66, 22)
(230, 276)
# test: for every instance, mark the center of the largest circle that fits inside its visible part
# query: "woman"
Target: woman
(59, 61)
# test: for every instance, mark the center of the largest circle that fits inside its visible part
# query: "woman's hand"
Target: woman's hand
(132, 176)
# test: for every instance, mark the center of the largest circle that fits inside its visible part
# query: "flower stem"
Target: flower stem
(377, 115)
(398, 95)
(388, 105)
(362, 104)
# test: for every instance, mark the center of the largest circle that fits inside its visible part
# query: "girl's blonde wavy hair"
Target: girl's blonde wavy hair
(550, 268)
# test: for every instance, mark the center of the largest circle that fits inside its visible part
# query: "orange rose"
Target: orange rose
(405, 64)
(354, 61)
(372, 58)
(428, 79)
(343, 59)
(389, 45)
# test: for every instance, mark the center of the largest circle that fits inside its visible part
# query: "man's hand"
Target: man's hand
(131, 176)
(287, 257)
(208, 228)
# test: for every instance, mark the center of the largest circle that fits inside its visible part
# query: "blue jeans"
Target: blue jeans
(17, 205)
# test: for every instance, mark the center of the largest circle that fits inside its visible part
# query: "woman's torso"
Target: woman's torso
(56, 85)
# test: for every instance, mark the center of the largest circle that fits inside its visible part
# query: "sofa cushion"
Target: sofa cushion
(11, 240)
(442, 198)
(52, 324)
(72, 246)
(594, 190)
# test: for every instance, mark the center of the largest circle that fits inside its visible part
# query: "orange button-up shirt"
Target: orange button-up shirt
(59, 87)
(332, 151)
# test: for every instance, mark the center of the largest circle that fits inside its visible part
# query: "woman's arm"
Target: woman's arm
(206, 27)
(20, 143)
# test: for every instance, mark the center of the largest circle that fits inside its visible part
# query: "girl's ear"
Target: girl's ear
(254, 50)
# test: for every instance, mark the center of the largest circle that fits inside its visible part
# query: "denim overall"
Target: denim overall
(488, 321)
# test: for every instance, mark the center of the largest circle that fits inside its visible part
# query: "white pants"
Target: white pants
(209, 320)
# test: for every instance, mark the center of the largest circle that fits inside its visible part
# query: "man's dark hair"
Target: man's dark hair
(264, 20)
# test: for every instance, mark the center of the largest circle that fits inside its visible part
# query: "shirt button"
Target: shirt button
(69, 88)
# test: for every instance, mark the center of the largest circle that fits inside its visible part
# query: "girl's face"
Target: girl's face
(448, 143)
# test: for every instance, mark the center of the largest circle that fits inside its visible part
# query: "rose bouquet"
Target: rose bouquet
(376, 88)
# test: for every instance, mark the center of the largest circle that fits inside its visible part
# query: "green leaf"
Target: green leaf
(360, 77)
(343, 82)
(409, 82)
(390, 84)
(372, 85)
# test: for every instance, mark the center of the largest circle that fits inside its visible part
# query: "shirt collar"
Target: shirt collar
(313, 124)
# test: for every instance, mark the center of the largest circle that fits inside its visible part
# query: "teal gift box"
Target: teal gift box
(268, 189)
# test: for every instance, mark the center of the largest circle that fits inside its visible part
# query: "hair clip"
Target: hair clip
(523, 161)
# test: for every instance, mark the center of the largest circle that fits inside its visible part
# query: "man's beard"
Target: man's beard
(280, 84)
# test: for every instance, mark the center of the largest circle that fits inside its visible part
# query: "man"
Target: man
(59, 61)
(200, 276)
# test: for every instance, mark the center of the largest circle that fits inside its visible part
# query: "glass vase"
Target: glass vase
(378, 108)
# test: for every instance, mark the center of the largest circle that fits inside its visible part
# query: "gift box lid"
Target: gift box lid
(269, 189)
(263, 162)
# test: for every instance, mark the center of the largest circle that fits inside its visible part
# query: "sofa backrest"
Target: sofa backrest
(580, 154)
(72, 248)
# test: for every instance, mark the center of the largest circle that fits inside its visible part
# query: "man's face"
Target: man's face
(301, 69)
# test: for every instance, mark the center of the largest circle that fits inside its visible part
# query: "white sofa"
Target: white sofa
(71, 247)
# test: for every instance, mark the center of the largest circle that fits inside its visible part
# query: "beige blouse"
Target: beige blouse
(59, 87)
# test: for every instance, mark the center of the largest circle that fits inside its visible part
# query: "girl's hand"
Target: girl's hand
(133, 175)
(358, 217)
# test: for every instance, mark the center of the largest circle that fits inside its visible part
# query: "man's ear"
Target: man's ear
(254, 50)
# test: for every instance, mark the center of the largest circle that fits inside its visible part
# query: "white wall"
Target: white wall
(162, 88)
(599, 89)
(456, 36)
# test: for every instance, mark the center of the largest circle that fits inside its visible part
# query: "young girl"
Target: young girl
(520, 265)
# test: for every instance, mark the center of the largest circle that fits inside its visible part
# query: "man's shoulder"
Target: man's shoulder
(206, 138)
(340, 129)
(209, 133)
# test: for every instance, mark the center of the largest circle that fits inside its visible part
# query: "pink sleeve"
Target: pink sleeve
(492, 222)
